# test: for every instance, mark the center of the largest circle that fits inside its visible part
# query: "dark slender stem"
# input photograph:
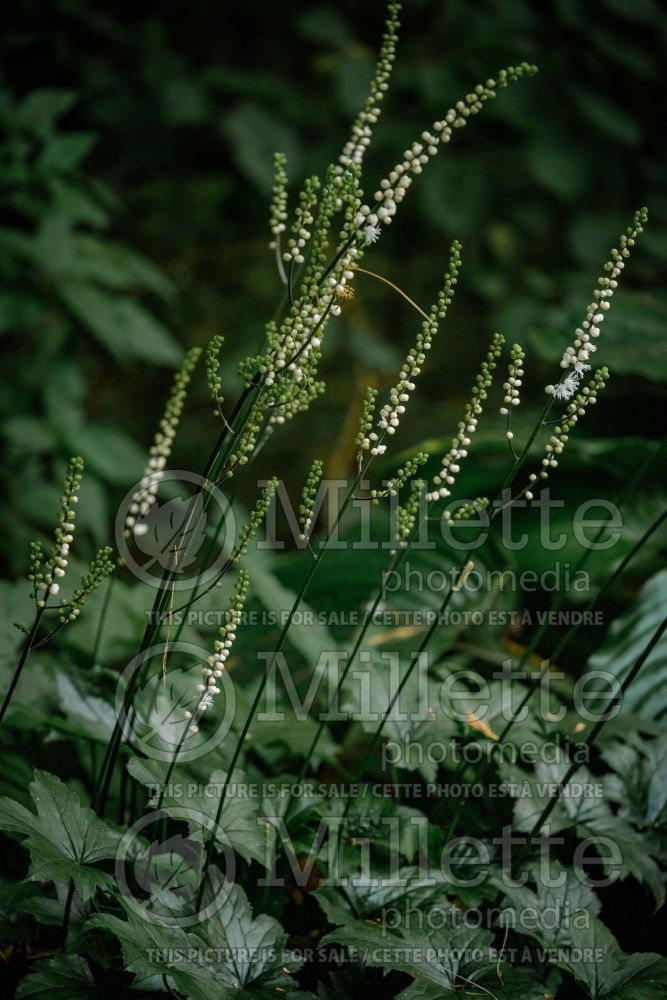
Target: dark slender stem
(568, 638)
(172, 764)
(596, 729)
(68, 908)
(572, 632)
(519, 459)
(404, 680)
(210, 845)
(108, 764)
(27, 646)
(511, 475)
(103, 618)
(537, 637)
(368, 618)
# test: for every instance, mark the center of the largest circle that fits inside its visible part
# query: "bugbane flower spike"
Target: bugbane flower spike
(575, 359)
(586, 397)
(303, 221)
(395, 186)
(308, 499)
(406, 514)
(213, 372)
(391, 413)
(47, 581)
(515, 375)
(470, 509)
(208, 688)
(257, 515)
(146, 495)
(362, 129)
(446, 478)
(402, 476)
(278, 217)
(101, 567)
(365, 434)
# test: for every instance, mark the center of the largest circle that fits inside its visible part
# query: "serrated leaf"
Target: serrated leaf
(439, 957)
(64, 838)
(605, 971)
(409, 887)
(66, 977)
(232, 956)
(579, 807)
(626, 639)
(565, 903)
(238, 825)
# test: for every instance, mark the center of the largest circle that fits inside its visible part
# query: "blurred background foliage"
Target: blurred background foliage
(135, 172)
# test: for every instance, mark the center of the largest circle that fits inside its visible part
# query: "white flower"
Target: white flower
(566, 388)
(580, 367)
(371, 234)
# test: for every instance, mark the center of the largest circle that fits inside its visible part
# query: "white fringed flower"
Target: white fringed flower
(567, 387)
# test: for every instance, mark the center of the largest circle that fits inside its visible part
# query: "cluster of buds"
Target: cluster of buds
(577, 356)
(402, 476)
(470, 508)
(446, 478)
(308, 495)
(512, 386)
(213, 371)
(362, 129)
(366, 436)
(146, 495)
(394, 187)
(59, 558)
(577, 408)
(406, 514)
(101, 567)
(208, 688)
(278, 217)
(391, 413)
(289, 364)
(256, 518)
(46, 580)
(303, 220)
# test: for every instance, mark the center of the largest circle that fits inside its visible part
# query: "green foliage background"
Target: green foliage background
(135, 172)
(136, 167)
